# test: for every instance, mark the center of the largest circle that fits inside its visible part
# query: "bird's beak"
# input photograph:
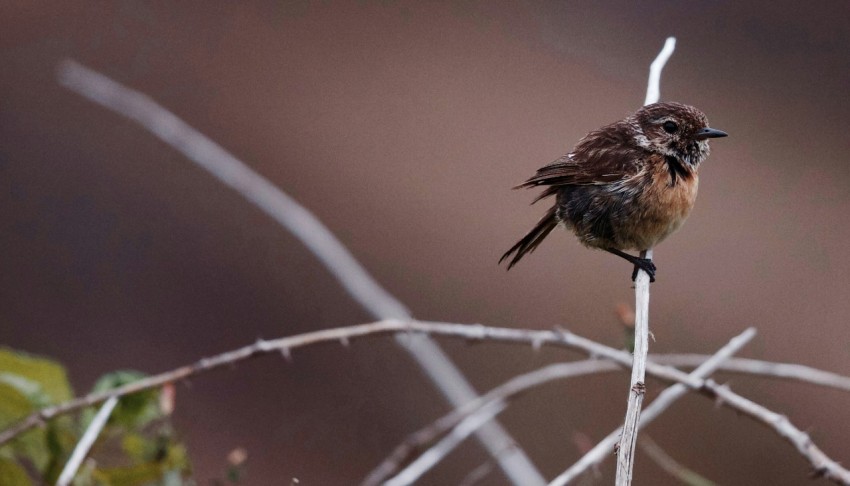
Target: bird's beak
(710, 133)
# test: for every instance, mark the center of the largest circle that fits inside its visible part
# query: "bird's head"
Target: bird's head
(675, 130)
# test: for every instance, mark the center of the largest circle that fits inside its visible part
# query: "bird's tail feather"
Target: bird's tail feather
(530, 241)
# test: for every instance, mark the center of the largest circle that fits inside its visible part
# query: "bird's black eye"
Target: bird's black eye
(670, 126)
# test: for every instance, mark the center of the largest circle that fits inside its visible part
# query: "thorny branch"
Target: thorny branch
(504, 392)
(448, 443)
(283, 209)
(721, 360)
(820, 462)
(787, 371)
(661, 403)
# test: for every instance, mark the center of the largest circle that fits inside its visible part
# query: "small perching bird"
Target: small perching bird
(626, 186)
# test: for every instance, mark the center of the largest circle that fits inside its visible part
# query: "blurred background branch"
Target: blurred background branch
(670, 465)
(417, 441)
(315, 236)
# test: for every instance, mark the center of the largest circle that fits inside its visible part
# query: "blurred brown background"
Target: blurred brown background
(403, 125)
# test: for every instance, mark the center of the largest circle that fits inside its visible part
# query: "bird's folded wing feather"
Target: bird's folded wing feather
(599, 158)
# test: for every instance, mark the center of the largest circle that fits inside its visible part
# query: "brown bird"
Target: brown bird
(626, 186)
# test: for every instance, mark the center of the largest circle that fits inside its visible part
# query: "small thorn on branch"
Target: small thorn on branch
(562, 333)
(536, 344)
(718, 398)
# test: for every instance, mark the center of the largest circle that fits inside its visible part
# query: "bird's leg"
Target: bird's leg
(644, 264)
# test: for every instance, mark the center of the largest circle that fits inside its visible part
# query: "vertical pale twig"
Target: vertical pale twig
(653, 87)
(662, 402)
(316, 237)
(626, 453)
(84, 445)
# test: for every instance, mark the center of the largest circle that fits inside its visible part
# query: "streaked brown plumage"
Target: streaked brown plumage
(626, 186)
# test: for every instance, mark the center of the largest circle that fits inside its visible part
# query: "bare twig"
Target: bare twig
(232, 172)
(637, 388)
(789, 371)
(670, 465)
(419, 439)
(664, 400)
(441, 449)
(84, 445)
(501, 394)
(305, 226)
(653, 86)
(821, 463)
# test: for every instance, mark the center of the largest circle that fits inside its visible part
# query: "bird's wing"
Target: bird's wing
(602, 157)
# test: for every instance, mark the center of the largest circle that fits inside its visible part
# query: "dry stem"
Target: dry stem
(637, 388)
(501, 394)
(665, 399)
(84, 445)
(788, 371)
(820, 462)
(306, 227)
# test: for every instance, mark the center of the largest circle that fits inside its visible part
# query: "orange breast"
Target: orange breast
(665, 204)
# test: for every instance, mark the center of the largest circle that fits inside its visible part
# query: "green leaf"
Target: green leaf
(12, 473)
(166, 466)
(30, 446)
(49, 375)
(14, 405)
(177, 457)
(133, 411)
(136, 474)
(137, 447)
(84, 476)
(60, 441)
(28, 383)
(234, 474)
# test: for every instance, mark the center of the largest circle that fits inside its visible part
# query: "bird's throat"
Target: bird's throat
(677, 169)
